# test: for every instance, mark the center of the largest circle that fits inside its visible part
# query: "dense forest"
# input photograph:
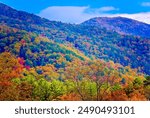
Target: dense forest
(49, 60)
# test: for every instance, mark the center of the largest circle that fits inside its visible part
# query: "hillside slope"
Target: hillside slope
(33, 67)
(35, 49)
(91, 40)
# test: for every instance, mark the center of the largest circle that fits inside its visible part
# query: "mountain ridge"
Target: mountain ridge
(91, 40)
(109, 23)
(121, 25)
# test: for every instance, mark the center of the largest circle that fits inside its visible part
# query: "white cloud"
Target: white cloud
(70, 14)
(146, 4)
(74, 14)
(109, 8)
(100, 10)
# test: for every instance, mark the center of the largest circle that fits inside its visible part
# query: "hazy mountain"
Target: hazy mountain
(121, 25)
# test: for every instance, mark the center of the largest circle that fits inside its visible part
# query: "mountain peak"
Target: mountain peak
(121, 25)
(111, 19)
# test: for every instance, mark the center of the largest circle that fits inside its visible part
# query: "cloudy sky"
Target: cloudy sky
(77, 11)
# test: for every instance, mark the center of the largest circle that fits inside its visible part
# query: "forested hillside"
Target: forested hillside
(49, 60)
(92, 40)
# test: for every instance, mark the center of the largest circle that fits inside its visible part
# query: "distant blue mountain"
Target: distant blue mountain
(121, 25)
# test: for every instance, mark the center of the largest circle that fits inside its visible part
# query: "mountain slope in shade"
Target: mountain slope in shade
(121, 25)
(26, 21)
(21, 16)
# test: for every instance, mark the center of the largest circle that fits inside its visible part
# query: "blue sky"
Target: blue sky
(77, 11)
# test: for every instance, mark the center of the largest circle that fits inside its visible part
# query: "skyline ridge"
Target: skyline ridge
(78, 12)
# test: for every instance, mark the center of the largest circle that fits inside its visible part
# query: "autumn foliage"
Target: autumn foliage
(32, 67)
(79, 80)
